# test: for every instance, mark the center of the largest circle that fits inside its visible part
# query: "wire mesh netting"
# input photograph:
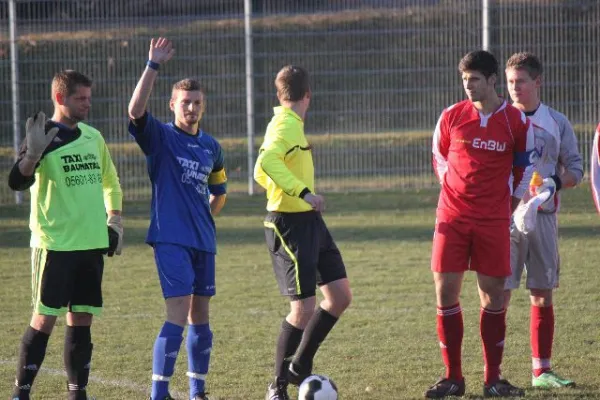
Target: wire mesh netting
(382, 71)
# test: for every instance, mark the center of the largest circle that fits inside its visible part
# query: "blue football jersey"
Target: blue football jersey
(182, 169)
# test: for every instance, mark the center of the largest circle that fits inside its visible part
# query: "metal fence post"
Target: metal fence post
(485, 25)
(249, 92)
(14, 77)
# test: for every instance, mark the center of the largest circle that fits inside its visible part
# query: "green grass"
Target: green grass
(385, 347)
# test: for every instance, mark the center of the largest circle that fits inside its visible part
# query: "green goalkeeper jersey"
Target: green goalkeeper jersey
(76, 183)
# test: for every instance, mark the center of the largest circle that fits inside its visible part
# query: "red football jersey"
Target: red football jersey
(481, 160)
(595, 169)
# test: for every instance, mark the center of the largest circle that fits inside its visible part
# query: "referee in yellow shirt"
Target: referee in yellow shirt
(302, 250)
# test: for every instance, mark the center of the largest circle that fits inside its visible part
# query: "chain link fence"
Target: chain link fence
(382, 71)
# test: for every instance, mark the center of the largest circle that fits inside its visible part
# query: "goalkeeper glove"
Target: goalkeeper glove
(551, 184)
(36, 137)
(115, 235)
(525, 216)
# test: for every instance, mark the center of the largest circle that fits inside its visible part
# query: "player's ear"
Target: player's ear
(59, 98)
(202, 102)
(172, 104)
(492, 79)
(538, 81)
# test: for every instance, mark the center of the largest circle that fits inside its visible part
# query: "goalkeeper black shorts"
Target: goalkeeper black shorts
(67, 281)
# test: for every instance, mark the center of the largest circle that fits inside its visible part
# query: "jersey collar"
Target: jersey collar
(179, 130)
(543, 119)
(284, 110)
(501, 108)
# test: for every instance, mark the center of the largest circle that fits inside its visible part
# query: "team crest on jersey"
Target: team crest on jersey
(540, 143)
(535, 155)
(490, 144)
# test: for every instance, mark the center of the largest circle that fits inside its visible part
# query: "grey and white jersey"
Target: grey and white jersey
(556, 148)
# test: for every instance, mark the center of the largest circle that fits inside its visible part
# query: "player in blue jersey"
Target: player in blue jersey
(188, 179)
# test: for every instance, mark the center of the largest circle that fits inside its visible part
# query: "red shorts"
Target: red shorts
(460, 245)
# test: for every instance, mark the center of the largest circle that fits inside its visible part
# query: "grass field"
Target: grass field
(384, 348)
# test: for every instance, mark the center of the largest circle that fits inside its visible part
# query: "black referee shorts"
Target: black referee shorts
(303, 252)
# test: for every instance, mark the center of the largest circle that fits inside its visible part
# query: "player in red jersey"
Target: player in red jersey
(595, 169)
(482, 152)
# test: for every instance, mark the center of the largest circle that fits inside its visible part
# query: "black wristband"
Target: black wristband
(152, 65)
(557, 182)
(303, 193)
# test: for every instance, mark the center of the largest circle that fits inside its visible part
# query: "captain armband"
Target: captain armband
(217, 182)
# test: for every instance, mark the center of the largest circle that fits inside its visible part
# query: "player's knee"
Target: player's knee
(541, 297)
(299, 319)
(493, 301)
(301, 311)
(178, 315)
(177, 318)
(178, 309)
(447, 293)
(198, 317)
(79, 319)
(447, 298)
(43, 323)
(341, 301)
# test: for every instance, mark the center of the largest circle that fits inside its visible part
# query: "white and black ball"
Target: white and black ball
(317, 387)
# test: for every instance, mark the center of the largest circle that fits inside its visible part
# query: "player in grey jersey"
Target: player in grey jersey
(560, 164)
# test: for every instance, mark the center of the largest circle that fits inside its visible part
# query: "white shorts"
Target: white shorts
(537, 252)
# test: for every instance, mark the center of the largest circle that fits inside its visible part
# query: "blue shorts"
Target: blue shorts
(183, 271)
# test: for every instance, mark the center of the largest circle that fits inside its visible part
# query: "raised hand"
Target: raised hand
(36, 137)
(161, 50)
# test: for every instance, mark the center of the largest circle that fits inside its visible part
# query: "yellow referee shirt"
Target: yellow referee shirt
(284, 166)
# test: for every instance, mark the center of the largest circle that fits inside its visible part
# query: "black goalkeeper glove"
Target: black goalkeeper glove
(115, 235)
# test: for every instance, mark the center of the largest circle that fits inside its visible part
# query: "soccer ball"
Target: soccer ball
(317, 387)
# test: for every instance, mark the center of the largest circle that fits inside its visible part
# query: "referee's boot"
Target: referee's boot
(277, 390)
(296, 374)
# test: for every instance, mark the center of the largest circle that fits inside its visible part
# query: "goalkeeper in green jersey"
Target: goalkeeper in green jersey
(75, 194)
